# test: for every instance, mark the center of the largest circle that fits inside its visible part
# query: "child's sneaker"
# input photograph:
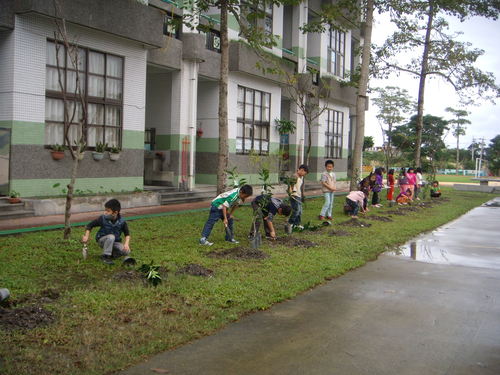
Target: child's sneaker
(300, 227)
(108, 259)
(329, 218)
(204, 241)
(232, 240)
(321, 218)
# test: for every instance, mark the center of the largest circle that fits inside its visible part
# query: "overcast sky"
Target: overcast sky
(485, 118)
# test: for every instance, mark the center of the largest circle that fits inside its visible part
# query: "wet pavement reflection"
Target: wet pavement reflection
(468, 241)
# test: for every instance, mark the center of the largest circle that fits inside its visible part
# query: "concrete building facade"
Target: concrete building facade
(151, 89)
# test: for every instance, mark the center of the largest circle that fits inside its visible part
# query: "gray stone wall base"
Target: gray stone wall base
(481, 188)
(56, 206)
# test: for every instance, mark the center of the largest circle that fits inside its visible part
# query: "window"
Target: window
(172, 26)
(336, 52)
(259, 14)
(253, 121)
(333, 135)
(101, 83)
(212, 40)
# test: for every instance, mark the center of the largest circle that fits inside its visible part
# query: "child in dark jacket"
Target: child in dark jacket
(111, 226)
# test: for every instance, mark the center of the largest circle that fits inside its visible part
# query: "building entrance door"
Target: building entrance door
(4, 160)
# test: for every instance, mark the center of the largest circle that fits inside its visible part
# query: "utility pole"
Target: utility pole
(472, 148)
(480, 157)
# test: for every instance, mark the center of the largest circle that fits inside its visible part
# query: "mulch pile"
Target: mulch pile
(28, 317)
(239, 252)
(195, 270)
(379, 218)
(356, 223)
(339, 233)
(396, 212)
(293, 241)
(131, 275)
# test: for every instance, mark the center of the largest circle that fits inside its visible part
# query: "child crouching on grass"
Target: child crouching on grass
(112, 225)
(219, 210)
(404, 198)
(435, 192)
(265, 208)
(354, 202)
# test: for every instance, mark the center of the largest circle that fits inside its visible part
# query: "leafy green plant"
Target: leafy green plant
(234, 177)
(58, 148)
(151, 273)
(285, 126)
(100, 147)
(14, 194)
(308, 226)
(114, 149)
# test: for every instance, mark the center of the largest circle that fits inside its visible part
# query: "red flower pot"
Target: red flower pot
(57, 155)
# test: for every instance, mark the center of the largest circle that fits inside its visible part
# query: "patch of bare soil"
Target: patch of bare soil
(410, 208)
(239, 252)
(396, 212)
(130, 275)
(339, 233)
(195, 270)
(379, 218)
(28, 317)
(293, 241)
(45, 296)
(356, 223)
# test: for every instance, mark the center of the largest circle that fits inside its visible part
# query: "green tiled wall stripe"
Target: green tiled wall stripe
(133, 139)
(27, 133)
(253, 179)
(212, 145)
(44, 187)
(299, 52)
(232, 23)
(6, 124)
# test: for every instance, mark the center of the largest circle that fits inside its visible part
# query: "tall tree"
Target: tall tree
(421, 27)
(368, 142)
(493, 155)
(459, 124)
(405, 136)
(393, 105)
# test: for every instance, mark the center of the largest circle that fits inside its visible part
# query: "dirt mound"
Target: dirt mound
(25, 317)
(131, 275)
(239, 252)
(396, 212)
(411, 209)
(195, 270)
(292, 241)
(339, 233)
(379, 218)
(45, 296)
(356, 223)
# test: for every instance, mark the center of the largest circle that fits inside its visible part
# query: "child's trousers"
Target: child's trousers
(353, 205)
(111, 247)
(328, 205)
(215, 215)
(295, 217)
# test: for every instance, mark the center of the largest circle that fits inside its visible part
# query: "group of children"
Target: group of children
(112, 225)
(410, 182)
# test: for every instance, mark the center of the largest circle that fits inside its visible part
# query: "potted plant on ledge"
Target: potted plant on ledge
(114, 153)
(57, 151)
(98, 154)
(14, 197)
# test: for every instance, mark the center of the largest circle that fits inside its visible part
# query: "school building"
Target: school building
(151, 89)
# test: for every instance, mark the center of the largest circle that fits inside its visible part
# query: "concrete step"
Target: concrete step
(187, 199)
(8, 215)
(6, 206)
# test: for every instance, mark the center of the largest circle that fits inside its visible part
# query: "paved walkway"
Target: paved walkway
(438, 314)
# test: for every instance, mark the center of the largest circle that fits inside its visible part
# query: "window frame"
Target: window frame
(334, 134)
(336, 52)
(248, 7)
(255, 125)
(103, 101)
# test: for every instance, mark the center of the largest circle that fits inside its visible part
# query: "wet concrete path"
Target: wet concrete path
(438, 314)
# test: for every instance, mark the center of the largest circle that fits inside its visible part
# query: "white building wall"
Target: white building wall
(31, 33)
(208, 108)
(158, 99)
(6, 75)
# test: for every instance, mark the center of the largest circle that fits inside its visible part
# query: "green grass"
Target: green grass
(454, 178)
(104, 324)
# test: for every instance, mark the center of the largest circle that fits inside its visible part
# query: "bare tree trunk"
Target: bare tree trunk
(361, 98)
(69, 199)
(309, 142)
(222, 161)
(421, 87)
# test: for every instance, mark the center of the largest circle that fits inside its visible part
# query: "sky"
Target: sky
(485, 118)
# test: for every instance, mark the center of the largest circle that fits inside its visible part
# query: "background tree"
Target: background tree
(393, 104)
(420, 27)
(458, 125)
(368, 142)
(493, 155)
(405, 137)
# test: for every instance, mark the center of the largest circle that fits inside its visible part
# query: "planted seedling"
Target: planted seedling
(151, 273)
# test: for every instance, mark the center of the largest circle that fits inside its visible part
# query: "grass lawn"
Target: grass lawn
(454, 178)
(106, 320)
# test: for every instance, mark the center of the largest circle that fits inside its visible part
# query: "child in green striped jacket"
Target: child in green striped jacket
(222, 208)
